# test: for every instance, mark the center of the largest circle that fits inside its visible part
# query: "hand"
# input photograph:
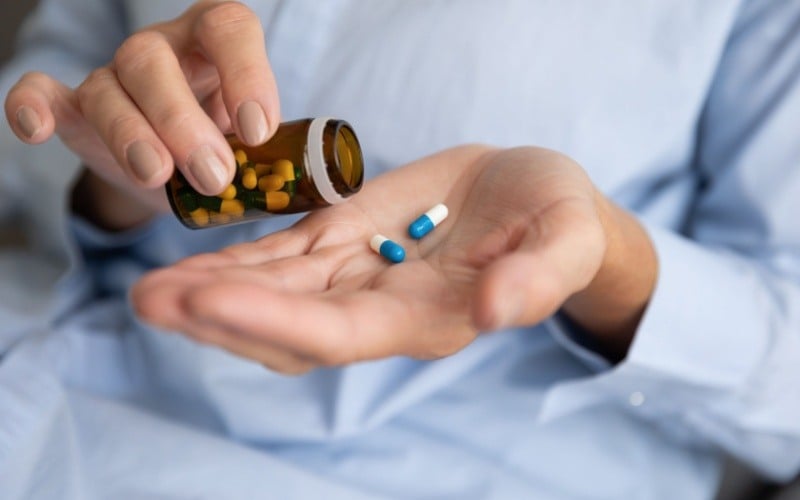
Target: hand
(527, 231)
(166, 99)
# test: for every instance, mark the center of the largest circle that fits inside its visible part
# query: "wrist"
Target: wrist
(106, 205)
(611, 306)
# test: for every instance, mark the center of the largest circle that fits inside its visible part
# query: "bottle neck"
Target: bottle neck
(317, 165)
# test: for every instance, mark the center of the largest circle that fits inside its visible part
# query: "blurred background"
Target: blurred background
(13, 12)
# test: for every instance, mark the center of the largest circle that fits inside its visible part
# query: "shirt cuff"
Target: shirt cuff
(703, 332)
(575, 340)
(92, 238)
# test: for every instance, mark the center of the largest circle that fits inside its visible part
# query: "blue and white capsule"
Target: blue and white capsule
(427, 221)
(390, 250)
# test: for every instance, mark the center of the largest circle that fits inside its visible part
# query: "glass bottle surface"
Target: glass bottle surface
(307, 164)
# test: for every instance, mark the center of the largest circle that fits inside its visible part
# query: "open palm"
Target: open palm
(522, 236)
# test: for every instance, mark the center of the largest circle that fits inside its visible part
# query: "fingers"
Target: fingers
(124, 130)
(368, 321)
(149, 72)
(215, 108)
(35, 106)
(298, 312)
(196, 304)
(159, 298)
(274, 358)
(154, 110)
(279, 245)
(165, 100)
(232, 38)
(292, 275)
(319, 329)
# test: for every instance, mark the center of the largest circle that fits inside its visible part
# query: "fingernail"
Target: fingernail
(144, 161)
(208, 170)
(28, 121)
(252, 123)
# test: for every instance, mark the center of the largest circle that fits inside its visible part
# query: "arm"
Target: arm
(715, 357)
(709, 348)
(98, 124)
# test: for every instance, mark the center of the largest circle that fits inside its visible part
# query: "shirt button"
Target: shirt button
(636, 399)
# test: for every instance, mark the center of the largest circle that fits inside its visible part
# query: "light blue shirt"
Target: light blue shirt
(684, 112)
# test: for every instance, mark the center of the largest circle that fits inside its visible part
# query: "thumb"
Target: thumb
(557, 255)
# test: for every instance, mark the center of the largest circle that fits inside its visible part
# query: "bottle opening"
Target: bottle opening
(350, 165)
(349, 160)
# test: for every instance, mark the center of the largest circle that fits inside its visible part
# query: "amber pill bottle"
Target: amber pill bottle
(307, 164)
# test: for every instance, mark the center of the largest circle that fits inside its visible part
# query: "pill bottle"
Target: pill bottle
(307, 164)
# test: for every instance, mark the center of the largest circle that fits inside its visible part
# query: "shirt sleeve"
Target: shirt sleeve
(716, 358)
(65, 39)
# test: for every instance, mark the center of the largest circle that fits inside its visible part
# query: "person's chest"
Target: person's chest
(618, 85)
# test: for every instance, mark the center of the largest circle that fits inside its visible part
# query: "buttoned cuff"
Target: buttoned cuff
(703, 333)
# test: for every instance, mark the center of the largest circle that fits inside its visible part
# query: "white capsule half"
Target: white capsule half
(437, 214)
(376, 242)
(425, 223)
(387, 248)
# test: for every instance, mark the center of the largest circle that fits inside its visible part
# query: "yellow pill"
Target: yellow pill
(249, 178)
(241, 156)
(232, 207)
(271, 183)
(229, 193)
(277, 200)
(284, 168)
(199, 216)
(262, 169)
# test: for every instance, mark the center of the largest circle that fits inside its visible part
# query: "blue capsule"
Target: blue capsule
(390, 250)
(427, 221)
(420, 227)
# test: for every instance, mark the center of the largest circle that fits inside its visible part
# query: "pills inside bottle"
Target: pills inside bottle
(307, 164)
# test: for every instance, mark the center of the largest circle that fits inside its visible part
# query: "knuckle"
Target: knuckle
(140, 50)
(34, 79)
(172, 119)
(121, 129)
(243, 73)
(223, 18)
(96, 82)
